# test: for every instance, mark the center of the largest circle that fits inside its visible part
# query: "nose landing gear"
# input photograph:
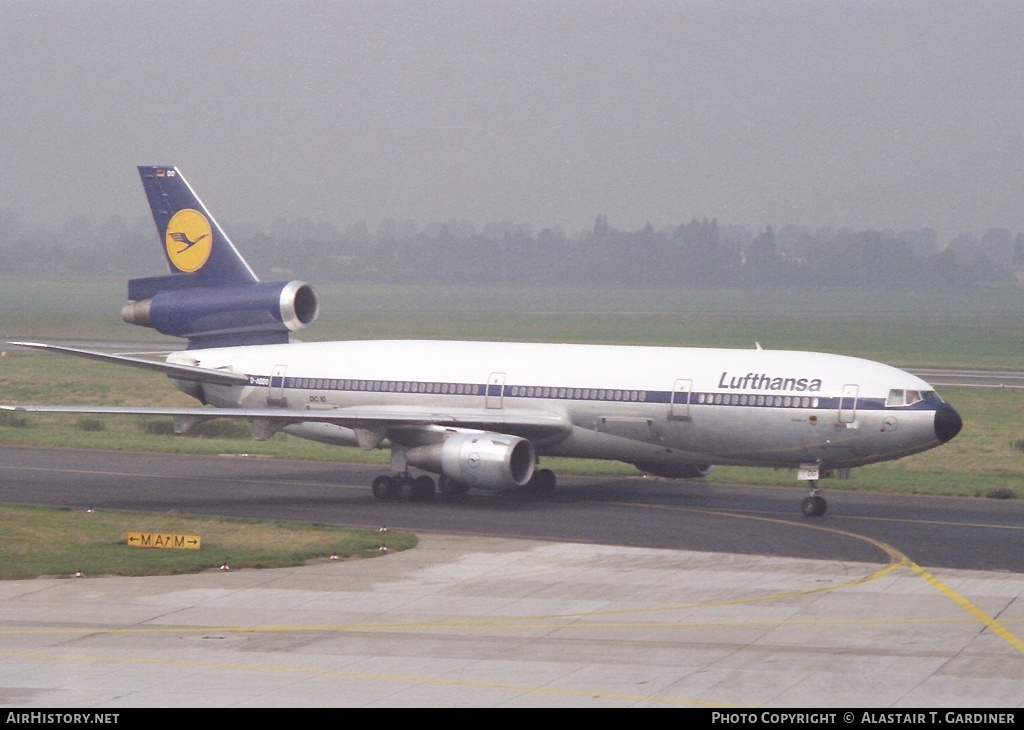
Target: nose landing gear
(813, 505)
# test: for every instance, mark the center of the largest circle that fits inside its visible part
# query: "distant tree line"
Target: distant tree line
(700, 253)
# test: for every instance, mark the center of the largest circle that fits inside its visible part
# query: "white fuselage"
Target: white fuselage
(651, 405)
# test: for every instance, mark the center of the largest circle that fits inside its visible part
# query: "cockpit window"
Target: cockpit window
(899, 397)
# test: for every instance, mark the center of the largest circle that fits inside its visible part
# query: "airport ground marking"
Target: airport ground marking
(593, 694)
(506, 623)
(897, 558)
(990, 623)
(901, 520)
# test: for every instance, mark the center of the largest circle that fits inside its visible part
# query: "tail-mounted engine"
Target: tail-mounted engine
(257, 313)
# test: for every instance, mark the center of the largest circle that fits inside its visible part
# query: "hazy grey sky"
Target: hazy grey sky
(893, 114)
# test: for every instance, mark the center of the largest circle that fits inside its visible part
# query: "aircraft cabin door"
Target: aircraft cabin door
(275, 396)
(680, 406)
(848, 404)
(495, 390)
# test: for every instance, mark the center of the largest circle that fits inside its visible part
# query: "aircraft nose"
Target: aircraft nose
(947, 422)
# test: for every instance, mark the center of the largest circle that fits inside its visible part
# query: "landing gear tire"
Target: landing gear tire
(813, 506)
(424, 487)
(450, 486)
(406, 487)
(542, 483)
(414, 488)
(384, 487)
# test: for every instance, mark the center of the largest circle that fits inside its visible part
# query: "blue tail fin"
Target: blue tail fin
(193, 241)
(211, 296)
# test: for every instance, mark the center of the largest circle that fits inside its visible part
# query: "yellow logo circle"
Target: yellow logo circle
(189, 240)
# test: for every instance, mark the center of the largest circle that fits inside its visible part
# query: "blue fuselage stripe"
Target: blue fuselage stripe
(780, 399)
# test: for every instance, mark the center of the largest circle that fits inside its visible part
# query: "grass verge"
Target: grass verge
(58, 542)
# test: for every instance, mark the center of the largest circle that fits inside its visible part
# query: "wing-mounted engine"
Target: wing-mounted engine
(254, 313)
(676, 471)
(478, 459)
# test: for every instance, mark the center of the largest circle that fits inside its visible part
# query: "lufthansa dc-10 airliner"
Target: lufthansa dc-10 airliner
(481, 415)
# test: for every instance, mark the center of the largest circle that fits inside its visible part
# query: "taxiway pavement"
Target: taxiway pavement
(467, 621)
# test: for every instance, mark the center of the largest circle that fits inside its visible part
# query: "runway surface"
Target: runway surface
(942, 377)
(617, 592)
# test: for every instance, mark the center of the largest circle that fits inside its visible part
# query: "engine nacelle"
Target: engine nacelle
(676, 471)
(256, 313)
(482, 460)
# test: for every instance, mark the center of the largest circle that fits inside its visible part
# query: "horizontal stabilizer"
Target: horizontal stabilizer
(182, 372)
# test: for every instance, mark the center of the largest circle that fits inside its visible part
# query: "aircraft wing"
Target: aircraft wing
(380, 419)
(384, 421)
(182, 372)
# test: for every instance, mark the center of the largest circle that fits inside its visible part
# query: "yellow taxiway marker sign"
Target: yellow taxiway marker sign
(163, 540)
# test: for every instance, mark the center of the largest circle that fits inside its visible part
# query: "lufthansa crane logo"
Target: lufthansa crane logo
(189, 240)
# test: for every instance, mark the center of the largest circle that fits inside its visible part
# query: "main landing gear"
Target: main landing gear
(541, 484)
(406, 486)
(403, 486)
(450, 486)
(813, 505)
